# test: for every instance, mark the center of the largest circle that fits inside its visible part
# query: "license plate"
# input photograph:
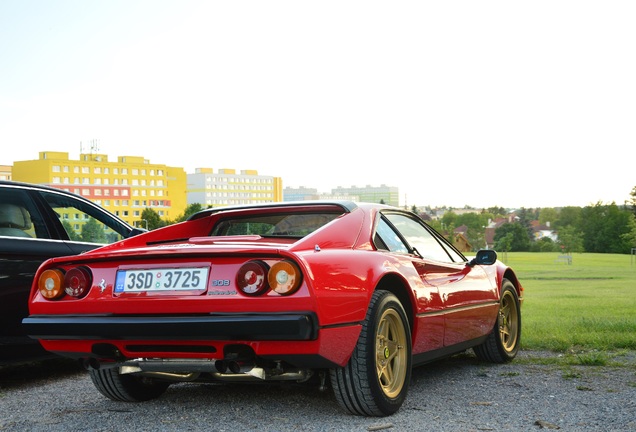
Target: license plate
(162, 279)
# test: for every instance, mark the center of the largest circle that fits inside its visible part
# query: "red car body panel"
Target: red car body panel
(448, 303)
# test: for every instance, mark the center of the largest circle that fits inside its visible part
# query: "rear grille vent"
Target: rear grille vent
(172, 348)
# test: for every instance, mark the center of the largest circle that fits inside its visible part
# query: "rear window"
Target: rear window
(274, 225)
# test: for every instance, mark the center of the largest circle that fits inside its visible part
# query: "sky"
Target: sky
(456, 103)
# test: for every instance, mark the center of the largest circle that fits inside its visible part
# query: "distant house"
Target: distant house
(460, 241)
(489, 235)
(543, 231)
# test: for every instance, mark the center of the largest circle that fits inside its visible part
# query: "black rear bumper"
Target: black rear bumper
(259, 327)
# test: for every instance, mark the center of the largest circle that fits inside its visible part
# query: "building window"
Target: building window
(55, 168)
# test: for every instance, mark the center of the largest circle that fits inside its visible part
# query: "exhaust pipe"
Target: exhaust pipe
(240, 367)
(233, 366)
(221, 366)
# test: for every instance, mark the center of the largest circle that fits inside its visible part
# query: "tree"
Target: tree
(568, 216)
(512, 237)
(630, 235)
(606, 228)
(570, 239)
(72, 235)
(548, 215)
(152, 218)
(544, 244)
(190, 210)
(93, 232)
(496, 211)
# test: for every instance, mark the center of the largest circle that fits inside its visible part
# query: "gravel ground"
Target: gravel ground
(457, 394)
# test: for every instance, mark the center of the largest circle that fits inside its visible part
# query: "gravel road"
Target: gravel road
(457, 394)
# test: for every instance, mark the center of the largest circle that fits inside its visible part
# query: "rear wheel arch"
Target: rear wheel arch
(399, 288)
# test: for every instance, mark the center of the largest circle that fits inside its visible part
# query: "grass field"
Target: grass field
(587, 306)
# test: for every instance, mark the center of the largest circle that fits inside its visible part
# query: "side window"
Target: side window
(387, 239)
(83, 222)
(419, 237)
(19, 216)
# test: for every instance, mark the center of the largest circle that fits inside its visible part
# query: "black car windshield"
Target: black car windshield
(274, 225)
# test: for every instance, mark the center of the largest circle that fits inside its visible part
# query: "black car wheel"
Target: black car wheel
(503, 342)
(375, 381)
(126, 388)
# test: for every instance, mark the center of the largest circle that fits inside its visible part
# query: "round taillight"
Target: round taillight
(77, 281)
(50, 284)
(252, 278)
(284, 277)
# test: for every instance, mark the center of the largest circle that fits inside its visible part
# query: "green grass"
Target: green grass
(580, 308)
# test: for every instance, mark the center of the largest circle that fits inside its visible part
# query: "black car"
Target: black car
(37, 223)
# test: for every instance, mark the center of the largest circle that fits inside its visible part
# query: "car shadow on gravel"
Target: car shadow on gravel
(27, 373)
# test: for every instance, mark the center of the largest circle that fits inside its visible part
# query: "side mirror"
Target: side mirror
(484, 257)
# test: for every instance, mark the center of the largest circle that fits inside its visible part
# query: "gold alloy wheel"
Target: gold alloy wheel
(508, 321)
(391, 352)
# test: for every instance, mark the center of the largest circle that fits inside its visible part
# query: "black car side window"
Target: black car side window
(82, 222)
(19, 217)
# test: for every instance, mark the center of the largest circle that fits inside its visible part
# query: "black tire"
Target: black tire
(126, 388)
(503, 342)
(375, 381)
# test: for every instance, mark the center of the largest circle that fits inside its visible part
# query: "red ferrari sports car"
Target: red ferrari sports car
(351, 294)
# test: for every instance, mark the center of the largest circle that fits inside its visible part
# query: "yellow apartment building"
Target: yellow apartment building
(125, 187)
